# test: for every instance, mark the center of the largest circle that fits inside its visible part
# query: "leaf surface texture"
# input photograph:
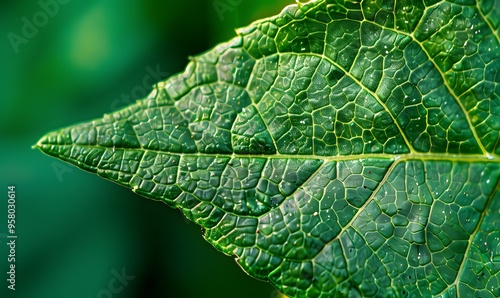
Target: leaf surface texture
(336, 149)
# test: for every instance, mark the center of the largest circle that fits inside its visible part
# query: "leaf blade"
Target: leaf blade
(334, 149)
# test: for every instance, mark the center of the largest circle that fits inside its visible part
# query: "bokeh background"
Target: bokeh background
(75, 230)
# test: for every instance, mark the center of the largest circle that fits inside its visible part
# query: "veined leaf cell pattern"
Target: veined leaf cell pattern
(337, 149)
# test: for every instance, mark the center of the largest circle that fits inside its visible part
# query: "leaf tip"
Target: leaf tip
(46, 143)
(39, 143)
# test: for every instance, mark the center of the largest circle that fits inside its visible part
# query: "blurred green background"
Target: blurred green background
(76, 61)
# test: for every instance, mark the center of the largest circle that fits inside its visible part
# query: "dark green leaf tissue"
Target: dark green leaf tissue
(337, 149)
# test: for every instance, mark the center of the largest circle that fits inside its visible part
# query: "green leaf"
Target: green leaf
(337, 149)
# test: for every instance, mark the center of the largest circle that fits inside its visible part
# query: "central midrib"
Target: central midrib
(471, 158)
